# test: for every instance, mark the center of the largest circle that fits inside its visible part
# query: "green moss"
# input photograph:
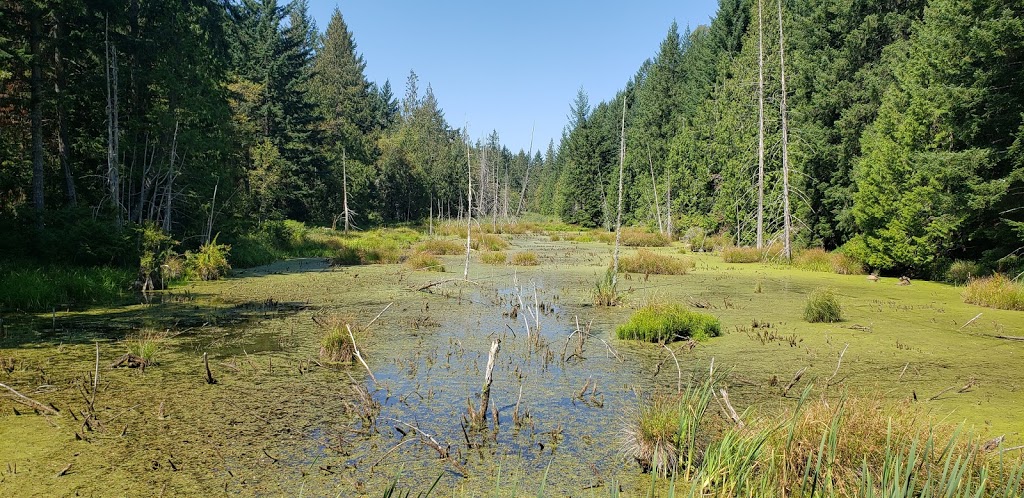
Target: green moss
(667, 323)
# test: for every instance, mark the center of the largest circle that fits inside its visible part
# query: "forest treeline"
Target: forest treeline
(203, 117)
(905, 131)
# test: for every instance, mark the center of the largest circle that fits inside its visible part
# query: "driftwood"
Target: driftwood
(728, 408)
(445, 281)
(130, 361)
(796, 378)
(1010, 337)
(25, 400)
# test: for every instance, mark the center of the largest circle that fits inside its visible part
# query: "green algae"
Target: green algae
(277, 423)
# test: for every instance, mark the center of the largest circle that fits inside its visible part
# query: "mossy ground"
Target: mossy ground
(291, 429)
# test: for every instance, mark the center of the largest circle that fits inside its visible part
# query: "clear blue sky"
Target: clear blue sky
(507, 65)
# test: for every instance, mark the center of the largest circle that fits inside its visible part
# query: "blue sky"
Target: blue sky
(510, 66)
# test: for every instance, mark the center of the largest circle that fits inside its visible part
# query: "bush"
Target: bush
(424, 261)
(961, 272)
(735, 254)
(822, 307)
(493, 257)
(210, 263)
(666, 323)
(441, 247)
(525, 258)
(650, 263)
(996, 291)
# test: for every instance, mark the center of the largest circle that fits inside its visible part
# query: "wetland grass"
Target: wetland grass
(742, 254)
(210, 262)
(651, 263)
(423, 261)
(818, 259)
(961, 272)
(488, 242)
(996, 291)
(43, 288)
(146, 345)
(440, 247)
(493, 257)
(634, 237)
(667, 323)
(525, 258)
(336, 344)
(604, 293)
(823, 306)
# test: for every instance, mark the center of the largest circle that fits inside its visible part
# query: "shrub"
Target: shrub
(822, 307)
(666, 323)
(493, 257)
(648, 262)
(441, 247)
(209, 263)
(996, 291)
(525, 258)
(735, 254)
(961, 272)
(424, 261)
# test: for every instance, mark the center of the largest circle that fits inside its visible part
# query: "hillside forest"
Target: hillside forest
(891, 131)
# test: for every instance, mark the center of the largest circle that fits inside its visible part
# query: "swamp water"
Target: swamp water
(278, 423)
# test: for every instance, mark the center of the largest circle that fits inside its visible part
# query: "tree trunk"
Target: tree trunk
(63, 141)
(113, 173)
(36, 84)
(469, 206)
(787, 222)
(344, 190)
(618, 218)
(654, 186)
(760, 127)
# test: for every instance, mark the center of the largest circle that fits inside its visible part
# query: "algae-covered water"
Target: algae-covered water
(280, 422)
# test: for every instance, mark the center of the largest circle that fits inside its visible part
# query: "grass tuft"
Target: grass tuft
(424, 261)
(441, 247)
(818, 259)
(823, 307)
(635, 237)
(996, 291)
(493, 257)
(209, 263)
(667, 323)
(146, 345)
(651, 263)
(335, 344)
(741, 254)
(525, 258)
(605, 294)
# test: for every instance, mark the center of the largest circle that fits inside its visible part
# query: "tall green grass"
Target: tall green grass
(667, 323)
(996, 291)
(42, 288)
(651, 263)
(818, 259)
(823, 307)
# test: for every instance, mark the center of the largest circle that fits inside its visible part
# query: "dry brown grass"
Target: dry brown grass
(525, 258)
(742, 254)
(441, 247)
(651, 263)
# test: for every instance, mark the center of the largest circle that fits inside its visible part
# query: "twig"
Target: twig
(970, 321)
(439, 282)
(209, 374)
(95, 379)
(944, 391)
(25, 400)
(367, 327)
(903, 372)
(359, 356)
(679, 371)
(612, 351)
(1010, 337)
(64, 471)
(796, 378)
(838, 364)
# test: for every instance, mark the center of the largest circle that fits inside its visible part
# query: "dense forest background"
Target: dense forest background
(905, 131)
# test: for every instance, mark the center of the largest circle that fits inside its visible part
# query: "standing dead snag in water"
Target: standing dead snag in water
(479, 417)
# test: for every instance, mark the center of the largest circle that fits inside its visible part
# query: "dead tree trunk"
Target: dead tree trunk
(469, 210)
(760, 127)
(344, 190)
(113, 131)
(63, 140)
(480, 415)
(618, 217)
(654, 186)
(787, 222)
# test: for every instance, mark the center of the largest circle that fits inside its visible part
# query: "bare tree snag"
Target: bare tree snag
(485, 393)
(760, 126)
(618, 217)
(787, 220)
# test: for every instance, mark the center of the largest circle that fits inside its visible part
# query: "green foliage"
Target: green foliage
(667, 323)
(996, 291)
(823, 307)
(43, 288)
(651, 263)
(961, 272)
(210, 262)
(605, 294)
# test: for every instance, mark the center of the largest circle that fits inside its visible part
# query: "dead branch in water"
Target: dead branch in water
(429, 440)
(838, 364)
(209, 375)
(445, 281)
(359, 357)
(728, 407)
(480, 416)
(970, 321)
(1010, 337)
(679, 371)
(25, 400)
(796, 378)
